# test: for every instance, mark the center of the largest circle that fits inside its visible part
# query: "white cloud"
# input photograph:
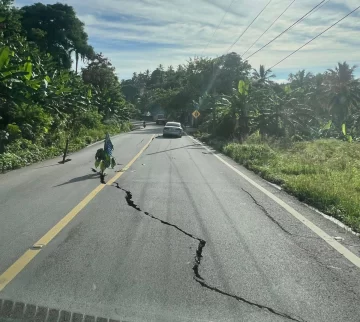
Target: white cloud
(127, 31)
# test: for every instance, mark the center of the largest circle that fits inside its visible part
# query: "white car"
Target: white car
(173, 129)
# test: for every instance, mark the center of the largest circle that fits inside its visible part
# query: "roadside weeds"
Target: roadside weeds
(324, 174)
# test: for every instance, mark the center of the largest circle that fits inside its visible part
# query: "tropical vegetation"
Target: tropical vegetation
(303, 135)
(236, 100)
(46, 107)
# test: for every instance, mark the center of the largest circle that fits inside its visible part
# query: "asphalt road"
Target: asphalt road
(181, 238)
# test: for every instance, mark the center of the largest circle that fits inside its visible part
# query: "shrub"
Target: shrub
(22, 152)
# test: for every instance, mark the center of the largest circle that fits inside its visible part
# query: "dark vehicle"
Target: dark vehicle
(160, 119)
(173, 129)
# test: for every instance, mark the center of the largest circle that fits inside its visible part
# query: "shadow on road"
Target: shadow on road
(47, 166)
(161, 137)
(147, 131)
(197, 147)
(78, 179)
(181, 147)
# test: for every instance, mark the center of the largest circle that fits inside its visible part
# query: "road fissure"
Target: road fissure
(198, 257)
(267, 213)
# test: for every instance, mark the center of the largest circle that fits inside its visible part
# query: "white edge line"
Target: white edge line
(334, 220)
(318, 231)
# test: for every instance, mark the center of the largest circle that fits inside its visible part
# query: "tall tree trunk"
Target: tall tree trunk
(76, 62)
(66, 150)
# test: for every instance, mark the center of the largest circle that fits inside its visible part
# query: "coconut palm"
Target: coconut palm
(301, 79)
(343, 91)
(280, 113)
(262, 76)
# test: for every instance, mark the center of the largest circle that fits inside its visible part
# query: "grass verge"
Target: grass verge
(322, 173)
(23, 152)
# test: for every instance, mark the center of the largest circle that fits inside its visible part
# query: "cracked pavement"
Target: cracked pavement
(198, 257)
(182, 239)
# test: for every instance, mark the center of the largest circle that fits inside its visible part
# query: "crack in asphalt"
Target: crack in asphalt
(198, 256)
(202, 242)
(260, 306)
(289, 233)
(267, 213)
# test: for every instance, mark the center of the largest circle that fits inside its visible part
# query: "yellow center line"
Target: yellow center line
(28, 256)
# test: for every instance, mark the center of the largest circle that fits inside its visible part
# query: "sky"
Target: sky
(141, 34)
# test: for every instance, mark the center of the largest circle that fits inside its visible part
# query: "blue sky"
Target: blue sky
(141, 34)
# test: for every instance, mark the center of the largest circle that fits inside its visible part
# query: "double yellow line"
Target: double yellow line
(28, 256)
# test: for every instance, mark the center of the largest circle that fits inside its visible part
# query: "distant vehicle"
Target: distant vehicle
(160, 119)
(173, 129)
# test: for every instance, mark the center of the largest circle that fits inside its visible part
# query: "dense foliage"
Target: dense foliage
(44, 105)
(236, 100)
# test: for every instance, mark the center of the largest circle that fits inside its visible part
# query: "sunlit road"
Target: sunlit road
(182, 238)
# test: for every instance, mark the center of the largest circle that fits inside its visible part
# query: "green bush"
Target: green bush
(14, 131)
(10, 161)
(22, 152)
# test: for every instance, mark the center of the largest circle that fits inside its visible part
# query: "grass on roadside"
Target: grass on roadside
(322, 173)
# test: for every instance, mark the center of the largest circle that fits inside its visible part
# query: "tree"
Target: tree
(82, 51)
(239, 109)
(301, 79)
(343, 91)
(99, 72)
(130, 91)
(299, 108)
(262, 76)
(10, 25)
(43, 105)
(56, 29)
(229, 70)
(101, 75)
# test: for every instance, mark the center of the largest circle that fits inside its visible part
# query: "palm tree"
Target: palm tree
(263, 76)
(301, 79)
(283, 115)
(82, 51)
(342, 74)
(343, 91)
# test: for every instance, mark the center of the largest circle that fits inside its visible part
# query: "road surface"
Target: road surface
(178, 236)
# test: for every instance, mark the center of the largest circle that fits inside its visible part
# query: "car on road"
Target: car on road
(173, 129)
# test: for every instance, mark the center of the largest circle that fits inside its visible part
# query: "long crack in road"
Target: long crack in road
(198, 256)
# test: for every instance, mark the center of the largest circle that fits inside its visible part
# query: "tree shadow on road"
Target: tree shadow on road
(47, 166)
(145, 131)
(78, 179)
